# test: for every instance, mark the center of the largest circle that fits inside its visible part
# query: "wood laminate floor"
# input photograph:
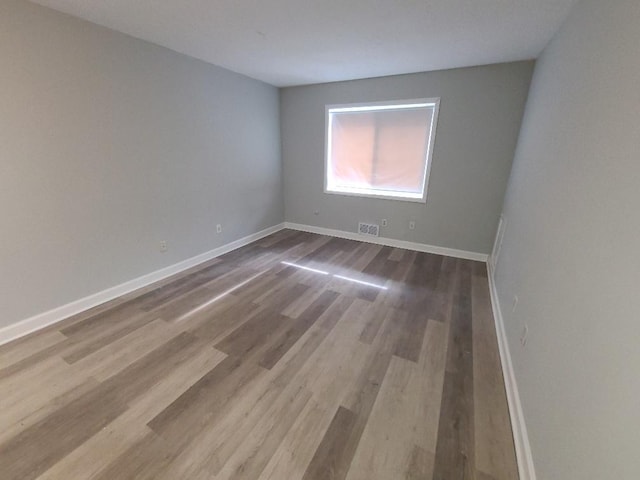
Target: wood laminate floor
(298, 357)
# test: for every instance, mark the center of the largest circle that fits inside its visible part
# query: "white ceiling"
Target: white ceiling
(294, 42)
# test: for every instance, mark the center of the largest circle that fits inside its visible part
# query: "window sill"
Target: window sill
(403, 197)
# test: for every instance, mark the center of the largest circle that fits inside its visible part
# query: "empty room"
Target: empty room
(319, 240)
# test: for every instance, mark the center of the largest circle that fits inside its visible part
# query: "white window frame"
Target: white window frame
(377, 106)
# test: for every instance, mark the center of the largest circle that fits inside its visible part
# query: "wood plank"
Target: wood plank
(256, 334)
(378, 280)
(143, 461)
(31, 345)
(118, 314)
(420, 465)
(118, 355)
(293, 456)
(253, 454)
(277, 350)
(442, 300)
(304, 357)
(149, 370)
(299, 305)
(371, 329)
(34, 408)
(197, 299)
(165, 294)
(37, 448)
(83, 344)
(221, 319)
(29, 361)
(281, 295)
(455, 448)
(32, 388)
(494, 447)
(130, 427)
(396, 254)
(220, 438)
(339, 360)
(204, 402)
(413, 327)
(404, 419)
(327, 462)
(359, 400)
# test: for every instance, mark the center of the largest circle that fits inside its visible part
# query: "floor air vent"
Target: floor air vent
(368, 229)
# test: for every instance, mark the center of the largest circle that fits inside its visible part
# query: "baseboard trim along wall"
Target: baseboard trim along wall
(37, 322)
(526, 468)
(390, 242)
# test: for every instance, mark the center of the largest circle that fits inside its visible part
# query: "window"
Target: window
(380, 150)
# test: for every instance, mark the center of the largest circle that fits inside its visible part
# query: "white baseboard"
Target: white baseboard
(390, 242)
(50, 317)
(526, 467)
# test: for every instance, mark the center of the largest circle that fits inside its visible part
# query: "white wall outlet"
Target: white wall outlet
(412, 225)
(525, 335)
(383, 222)
(218, 228)
(163, 246)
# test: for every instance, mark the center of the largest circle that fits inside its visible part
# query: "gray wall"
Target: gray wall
(480, 114)
(109, 145)
(570, 249)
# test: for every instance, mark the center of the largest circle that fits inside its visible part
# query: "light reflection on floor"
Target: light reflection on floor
(341, 277)
(321, 272)
(289, 264)
(217, 297)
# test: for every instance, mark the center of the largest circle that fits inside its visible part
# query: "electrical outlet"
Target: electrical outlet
(383, 222)
(412, 225)
(219, 228)
(163, 246)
